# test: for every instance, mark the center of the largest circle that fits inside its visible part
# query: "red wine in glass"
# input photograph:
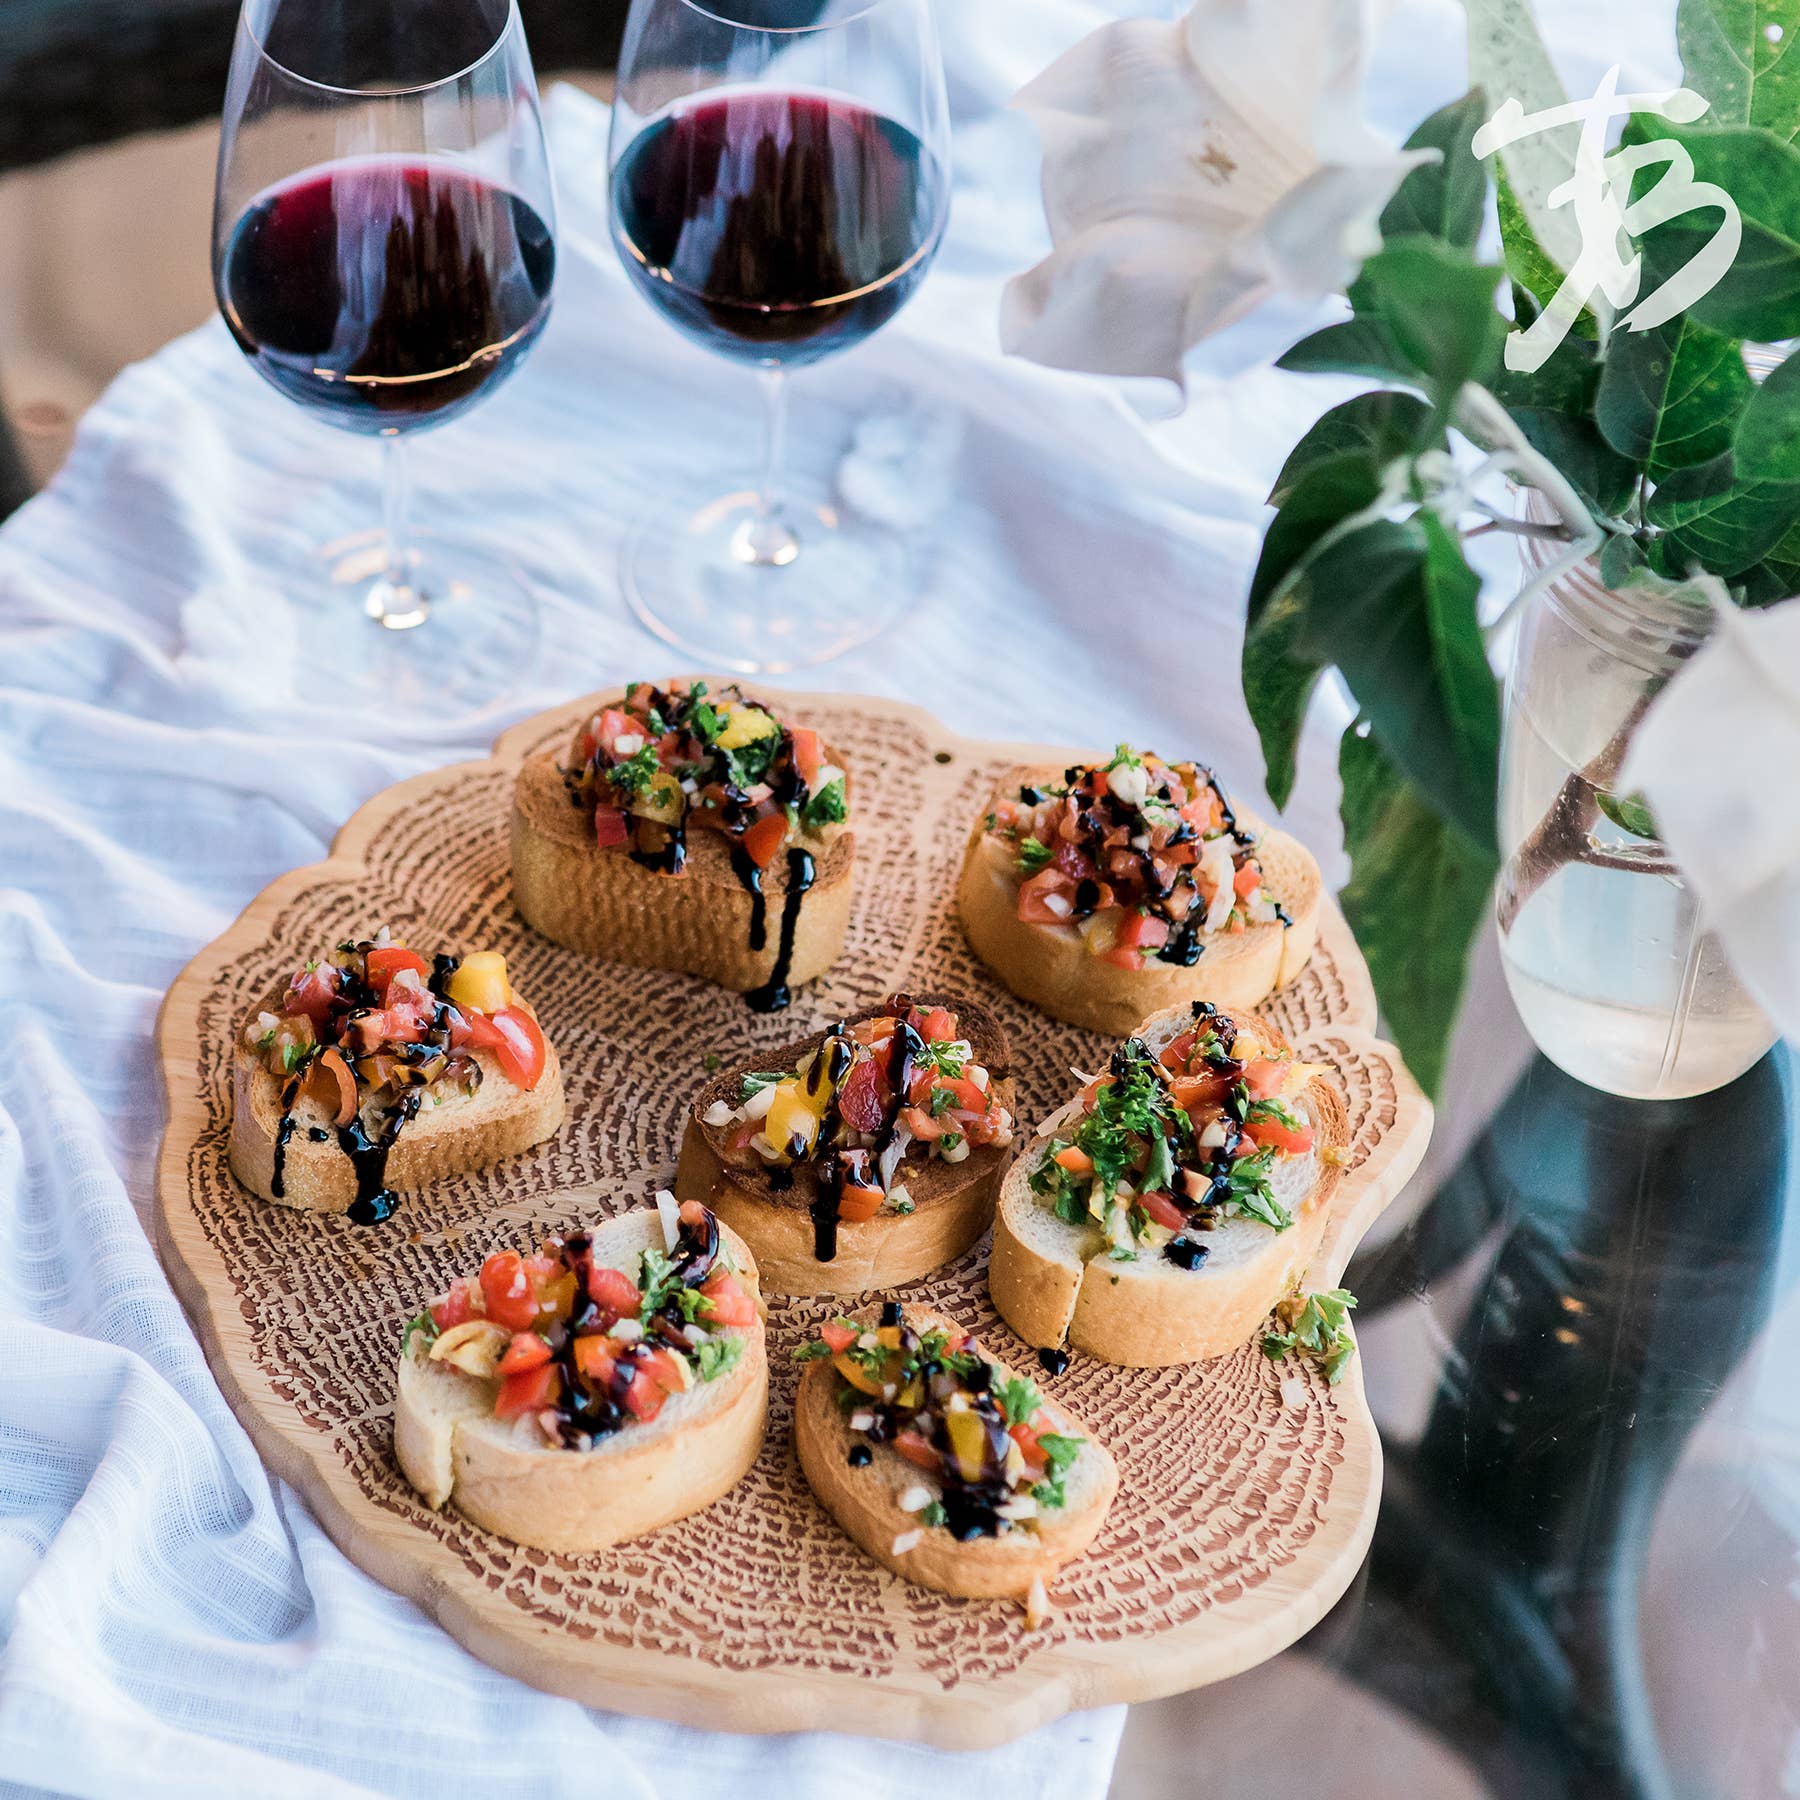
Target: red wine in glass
(388, 294)
(776, 227)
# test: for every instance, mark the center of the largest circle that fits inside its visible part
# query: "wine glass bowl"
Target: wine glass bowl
(780, 185)
(384, 247)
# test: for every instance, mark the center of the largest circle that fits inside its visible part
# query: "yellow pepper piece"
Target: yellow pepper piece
(968, 1443)
(746, 725)
(479, 982)
(791, 1124)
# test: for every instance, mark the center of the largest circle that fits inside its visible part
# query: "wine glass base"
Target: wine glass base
(760, 596)
(460, 637)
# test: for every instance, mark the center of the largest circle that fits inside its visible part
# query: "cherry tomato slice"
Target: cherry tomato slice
(809, 758)
(727, 1302)
(1162, 1210)
(527, 1351)
(763, 841)
(614, 1292)
(838, 1338)
(510, 1295)
(385, 964)
(520, 1051)
(528, 1393)
(863, 1098)
(610, 827)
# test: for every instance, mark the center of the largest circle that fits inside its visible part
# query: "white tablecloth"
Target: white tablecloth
(174, 1622)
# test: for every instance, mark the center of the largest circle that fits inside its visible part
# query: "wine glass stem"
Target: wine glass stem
(768, 541)
(395, 599)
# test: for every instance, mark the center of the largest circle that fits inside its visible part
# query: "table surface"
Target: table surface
(1576, 1326)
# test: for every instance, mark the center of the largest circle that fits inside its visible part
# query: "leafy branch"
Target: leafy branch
(1655, 454)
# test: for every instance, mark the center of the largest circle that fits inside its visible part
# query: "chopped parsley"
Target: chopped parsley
(829, 806)
(1017, 1399)
(903, 1206)
(1318, 1325)
(1251, 1196)
(934, 1514)
(1034, 854)
(951, 1140)
(704, 720)
(815, 1351)
(294, 1056)
(1062, 1452)
(658, 1279)
(425, 1323)
(637, 771)
(753, 1084)
(718, 1356)
(713, 1062)
(1276, 1110)
(947, 1057)
(942, 1099)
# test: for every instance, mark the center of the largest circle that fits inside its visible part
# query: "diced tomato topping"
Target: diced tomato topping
(1192, 1092)
(1074, 862)
(385, 964)
(857, 1204)
(862, 1100)
(763, 841)
(526, 1351)
(1271, 1134)
(528, 1393)
(1264, 1078)
(1162, 1210)
(1036, 894)
(1178, 1052)
(510, 1295)
(615, 724)
(594, 1360)
(938, 1026)
(614, 1292)
(520, 1051)
(312, 991)
(1026, 1437)
(727, 1301)
(1204, 812)
(838, 1338)
(458, 1306)
(611, 827)
(661, 1368)
(1141, 931)
(809, 758)
(1246, 881)
(922, 1125)
(644, 1398)
(917, 1449)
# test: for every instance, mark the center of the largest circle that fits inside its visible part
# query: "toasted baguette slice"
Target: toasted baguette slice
(460, 1133)
(1050, 965)
(953, 1203)
(1053, 1281)
(702, 922)
(504, 1477)
(866, 1501)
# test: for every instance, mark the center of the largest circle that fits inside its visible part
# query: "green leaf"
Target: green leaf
(1628, 812)
(1279, 678)
(1532, 269)
(1779, 573)
(1731, 513)
(1392, 604)
(1670, 397)
(1507, 57)
(1357, 347)
(1383, 424)
(1620, 557)
(1727, 55)
(1711, 518)
(1759, 297)
(1446, 199)
(1437, 305)
(1325, 495)
(1604, 479)
(1418, 892)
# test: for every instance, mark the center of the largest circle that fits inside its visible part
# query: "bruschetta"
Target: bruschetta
(863, 1157)
(611, 1382)
(690, 827)
(376, 1070)
(1162, 1213)
(942, 1463)
(1103, 894)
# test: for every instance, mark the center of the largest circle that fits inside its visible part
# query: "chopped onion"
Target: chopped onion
(628, 743)
(915, 1499)
(891, 1156)
(908, 1540)
(1059, 904)
(979, 1076)
(861, 1421)
(958, 1153)
(899, 1194)
(719, 1113)
(1213, 1137)
(1024, 1507)
(668, 1209)
(1293, 1393)
(1037, 1604)
(628, 1330)
(757, 1106)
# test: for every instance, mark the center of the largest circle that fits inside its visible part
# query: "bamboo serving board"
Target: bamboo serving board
(1243, 1511)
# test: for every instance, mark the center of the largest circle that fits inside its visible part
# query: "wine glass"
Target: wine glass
(384, 254)
(780, 183)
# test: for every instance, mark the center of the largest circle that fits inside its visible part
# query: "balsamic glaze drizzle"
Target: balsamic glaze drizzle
(773, 995)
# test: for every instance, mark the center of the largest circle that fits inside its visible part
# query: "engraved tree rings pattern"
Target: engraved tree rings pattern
(1248, 1489)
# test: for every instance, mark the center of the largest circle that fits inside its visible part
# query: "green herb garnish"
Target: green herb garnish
(637, 771)
(718, 1356)
(1062, 1452)
(425, 1323)
(829, 806)
(1017, 1399)
(1034, 854)
(1318, 1325)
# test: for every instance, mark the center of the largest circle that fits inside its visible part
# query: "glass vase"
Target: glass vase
(1607, 956)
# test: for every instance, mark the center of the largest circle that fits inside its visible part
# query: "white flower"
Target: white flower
(1194, 171)
(1715, 757)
